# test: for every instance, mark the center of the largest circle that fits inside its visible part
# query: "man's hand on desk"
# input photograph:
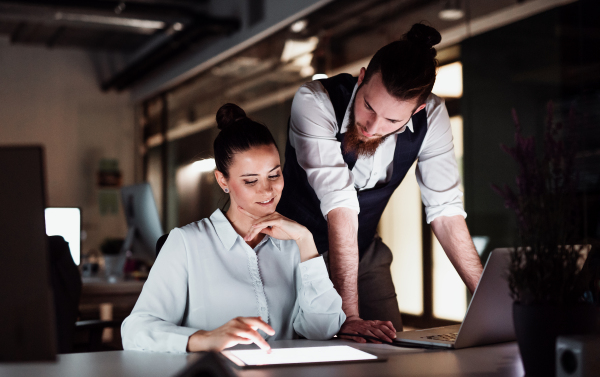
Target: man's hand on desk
(380, 329)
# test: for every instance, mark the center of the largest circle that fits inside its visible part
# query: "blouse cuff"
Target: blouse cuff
(313, 269)
(177, 341)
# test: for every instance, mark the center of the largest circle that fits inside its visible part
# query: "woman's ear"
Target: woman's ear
(222, 181)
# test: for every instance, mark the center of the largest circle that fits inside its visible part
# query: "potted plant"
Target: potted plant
(549, 297)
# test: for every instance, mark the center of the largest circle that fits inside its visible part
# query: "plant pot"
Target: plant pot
(113, 267)
(537, 326)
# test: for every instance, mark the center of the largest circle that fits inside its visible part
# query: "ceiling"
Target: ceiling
(145, 33)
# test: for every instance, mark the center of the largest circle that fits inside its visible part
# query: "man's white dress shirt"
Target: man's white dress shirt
(313, 129)
(206, 275)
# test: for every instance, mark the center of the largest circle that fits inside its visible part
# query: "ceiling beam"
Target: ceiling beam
(166, 12)
(167, 45)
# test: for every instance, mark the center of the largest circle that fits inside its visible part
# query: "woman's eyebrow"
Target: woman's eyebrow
(254, 174)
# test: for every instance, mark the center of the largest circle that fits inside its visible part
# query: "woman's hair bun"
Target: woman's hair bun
(423, 34)
(228, 114)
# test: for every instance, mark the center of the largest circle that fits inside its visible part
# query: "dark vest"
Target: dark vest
(299, 201)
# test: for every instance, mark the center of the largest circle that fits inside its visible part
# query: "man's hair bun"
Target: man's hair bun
(228, 114)
(423, 35)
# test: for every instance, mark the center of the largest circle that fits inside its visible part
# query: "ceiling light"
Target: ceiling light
(106, 20)
(452, 11)
(319, 76)
(295, 48)
(120, 8)
(177, 26)
(241, 66)
(307, 71)
(203, 166)
(298, 26)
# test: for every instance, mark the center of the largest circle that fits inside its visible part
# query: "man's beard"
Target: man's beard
(356, 143)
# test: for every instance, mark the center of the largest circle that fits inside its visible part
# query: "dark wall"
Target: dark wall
(553, 56)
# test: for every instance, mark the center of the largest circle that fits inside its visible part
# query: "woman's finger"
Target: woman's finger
(255, 337)
(242, 340)
(268, 231)
(264, 224)
(258, 323)
(258, 227)
(278, 222)
(252, 233)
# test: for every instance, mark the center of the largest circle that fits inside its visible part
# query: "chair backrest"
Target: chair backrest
(66, 285)
(161, 242)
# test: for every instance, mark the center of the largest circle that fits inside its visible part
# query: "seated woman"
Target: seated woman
(237, 277)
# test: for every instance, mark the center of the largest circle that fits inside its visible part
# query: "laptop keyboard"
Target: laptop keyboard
(446, 337)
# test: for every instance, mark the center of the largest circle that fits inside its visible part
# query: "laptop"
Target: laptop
(489, 316)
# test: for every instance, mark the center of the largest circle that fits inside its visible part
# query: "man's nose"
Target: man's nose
(375, 126)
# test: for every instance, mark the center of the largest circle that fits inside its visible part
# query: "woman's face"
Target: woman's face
(255, 180)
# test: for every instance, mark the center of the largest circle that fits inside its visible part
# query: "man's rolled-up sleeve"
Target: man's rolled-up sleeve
(313, 130)
(437, 170)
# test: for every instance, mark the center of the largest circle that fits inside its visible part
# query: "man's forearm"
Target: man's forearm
(343, 256)
(453, 234)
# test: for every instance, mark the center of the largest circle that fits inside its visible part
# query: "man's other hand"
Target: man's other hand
(383, 330)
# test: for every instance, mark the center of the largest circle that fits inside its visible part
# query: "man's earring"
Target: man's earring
(226, 190)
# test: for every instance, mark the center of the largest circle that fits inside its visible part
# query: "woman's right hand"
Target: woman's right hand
(282, 228)
(240, 330)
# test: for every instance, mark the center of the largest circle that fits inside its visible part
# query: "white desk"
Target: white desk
(495, 360)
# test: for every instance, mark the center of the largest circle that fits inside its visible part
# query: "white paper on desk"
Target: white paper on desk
(301, 355)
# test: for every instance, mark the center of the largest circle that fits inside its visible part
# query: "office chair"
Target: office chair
(66, 285)
(160, 242)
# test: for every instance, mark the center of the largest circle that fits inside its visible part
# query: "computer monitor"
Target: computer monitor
(27, 325)
(142, 220)
(66, 222)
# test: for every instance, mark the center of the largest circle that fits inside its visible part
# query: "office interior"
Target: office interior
(120, 93)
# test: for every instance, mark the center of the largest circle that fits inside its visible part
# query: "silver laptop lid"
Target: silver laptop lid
(489, 316)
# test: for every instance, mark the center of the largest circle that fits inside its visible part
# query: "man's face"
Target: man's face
(375, 115)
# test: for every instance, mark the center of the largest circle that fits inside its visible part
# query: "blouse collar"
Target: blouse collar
(228, 235)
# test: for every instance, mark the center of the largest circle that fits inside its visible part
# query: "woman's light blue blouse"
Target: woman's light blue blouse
(206, 275)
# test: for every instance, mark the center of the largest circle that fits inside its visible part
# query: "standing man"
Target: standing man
(351, 142)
